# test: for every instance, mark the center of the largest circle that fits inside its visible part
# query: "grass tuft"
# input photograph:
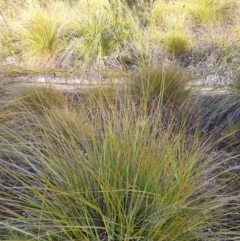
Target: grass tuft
(41, 32)
(176, 41)
(209, 11)
(101, 173)
(140, 160)
(161, 82)
(41, 99)
(103, 32)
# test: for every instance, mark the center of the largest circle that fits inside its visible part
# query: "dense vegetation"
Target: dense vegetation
(148, 158)
(73, 33)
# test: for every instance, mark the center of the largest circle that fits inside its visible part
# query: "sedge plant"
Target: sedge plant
(41, 32)
(163, 82)
(176, 41)
(101, 173)
(101, 32)
(209, 11)
(169, 25)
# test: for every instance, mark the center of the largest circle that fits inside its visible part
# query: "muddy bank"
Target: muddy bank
(13, 78)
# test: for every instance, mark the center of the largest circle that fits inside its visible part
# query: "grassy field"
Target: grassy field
(149, 159)
(74, 33)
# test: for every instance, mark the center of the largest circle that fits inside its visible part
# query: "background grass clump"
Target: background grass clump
(169, 21)
(164, 83)
(103, 32)
(41, 32)
(207, 11)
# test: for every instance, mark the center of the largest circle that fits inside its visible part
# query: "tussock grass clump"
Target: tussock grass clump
(41, 99)
(41, 32)
(103, 31)
(168, 14)
(209, 11)
(102, 173)
(169, 22)
(161, 82)
(104, 95)
(176, 41)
